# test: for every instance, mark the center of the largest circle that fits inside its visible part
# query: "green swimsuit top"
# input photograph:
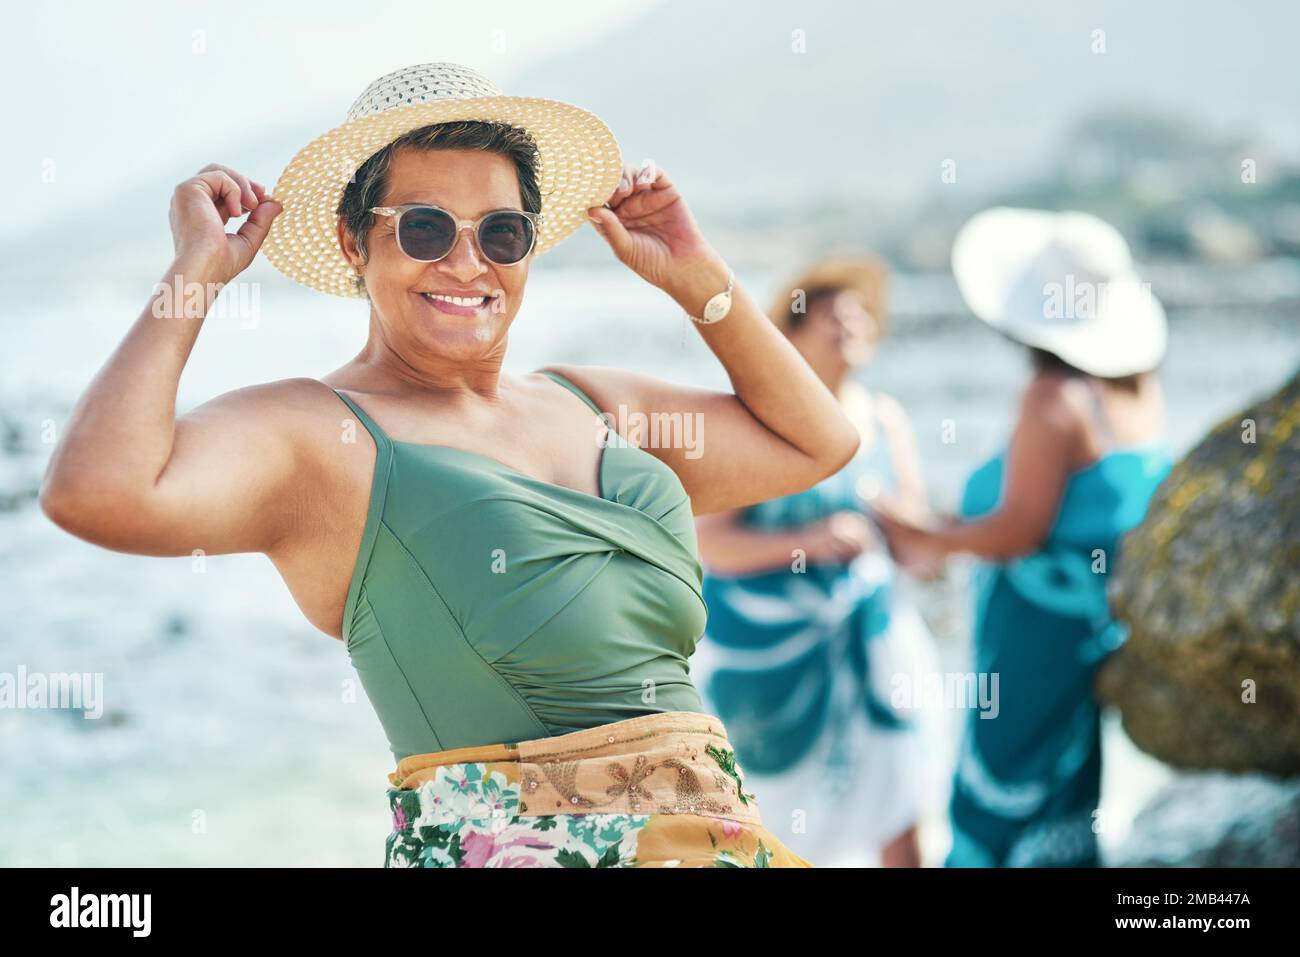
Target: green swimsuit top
(487, 606)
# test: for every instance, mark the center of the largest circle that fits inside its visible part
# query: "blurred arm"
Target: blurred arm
(729, 548)
(905, 456)
(1038, 465)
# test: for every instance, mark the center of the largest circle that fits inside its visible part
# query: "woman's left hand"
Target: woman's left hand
(912, 545)
(652, 232)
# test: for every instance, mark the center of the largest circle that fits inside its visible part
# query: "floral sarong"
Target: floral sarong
(661, 790)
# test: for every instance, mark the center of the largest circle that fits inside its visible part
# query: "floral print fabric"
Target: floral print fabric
(468, 815)
(658, 790)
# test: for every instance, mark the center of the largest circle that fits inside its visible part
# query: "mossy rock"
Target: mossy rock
(1209, 586)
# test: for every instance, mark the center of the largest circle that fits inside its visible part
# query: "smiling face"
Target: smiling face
(459, 308)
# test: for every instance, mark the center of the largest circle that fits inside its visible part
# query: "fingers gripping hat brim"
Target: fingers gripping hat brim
(579, 166)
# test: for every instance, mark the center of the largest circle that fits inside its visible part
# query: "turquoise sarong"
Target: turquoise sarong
(792, 644)
(1028, 781)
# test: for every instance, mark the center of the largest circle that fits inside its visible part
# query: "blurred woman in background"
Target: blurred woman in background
(799, 649)
(1047, 514)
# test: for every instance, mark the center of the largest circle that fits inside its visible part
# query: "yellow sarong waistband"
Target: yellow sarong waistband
(675, 762)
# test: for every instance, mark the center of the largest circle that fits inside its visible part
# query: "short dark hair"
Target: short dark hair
(1045, 361)
(816, 295)
(812, 298)
(367, 187)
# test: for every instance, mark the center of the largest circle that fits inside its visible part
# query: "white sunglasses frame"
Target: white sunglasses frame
(470, 224)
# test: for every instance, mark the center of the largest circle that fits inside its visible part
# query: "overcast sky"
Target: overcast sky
(111, 105)
(102, 95)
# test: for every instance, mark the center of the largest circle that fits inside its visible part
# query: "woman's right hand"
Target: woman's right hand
(912, 544)
(840, 537)
(202, 205)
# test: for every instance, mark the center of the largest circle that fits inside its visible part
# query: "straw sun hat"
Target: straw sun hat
(862, 273)
(1062, 282)
(579, 164)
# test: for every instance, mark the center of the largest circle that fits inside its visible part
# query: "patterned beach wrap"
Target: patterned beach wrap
(661, 790)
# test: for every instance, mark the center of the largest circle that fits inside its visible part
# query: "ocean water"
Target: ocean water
(233, 732)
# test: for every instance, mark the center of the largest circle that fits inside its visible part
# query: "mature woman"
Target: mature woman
(802, 641)
(516, 584)
(1047, 514)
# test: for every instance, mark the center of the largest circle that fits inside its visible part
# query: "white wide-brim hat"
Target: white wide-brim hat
(579, 164)
(1062, 282)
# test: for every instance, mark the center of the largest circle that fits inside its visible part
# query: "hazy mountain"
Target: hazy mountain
(773, 111)
(885, 92)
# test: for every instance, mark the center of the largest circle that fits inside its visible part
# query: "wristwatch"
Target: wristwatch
(716, 309)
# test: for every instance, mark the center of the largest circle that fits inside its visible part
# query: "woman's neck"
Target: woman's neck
(412, 372)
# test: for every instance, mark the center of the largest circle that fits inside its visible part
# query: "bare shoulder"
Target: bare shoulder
(278, 407)
(595, 375)
(240, 468)
(285, 423)
(1056, 402)
(609, 387)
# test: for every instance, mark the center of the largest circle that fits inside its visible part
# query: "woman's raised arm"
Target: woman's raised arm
(780, 430)
(126, 474)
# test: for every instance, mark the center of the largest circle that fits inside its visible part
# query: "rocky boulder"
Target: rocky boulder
(1209, 586)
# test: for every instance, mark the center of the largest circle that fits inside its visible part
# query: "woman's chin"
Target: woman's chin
(465, 341)
(441, 332)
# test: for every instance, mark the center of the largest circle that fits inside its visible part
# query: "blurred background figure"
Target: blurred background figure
(803, 636)
(1085, 456)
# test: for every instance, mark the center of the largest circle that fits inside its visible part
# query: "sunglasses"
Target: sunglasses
(429, 233)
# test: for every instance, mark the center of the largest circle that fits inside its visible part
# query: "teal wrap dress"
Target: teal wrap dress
(1027, 781)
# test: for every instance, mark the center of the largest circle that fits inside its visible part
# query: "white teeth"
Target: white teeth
(457, 300)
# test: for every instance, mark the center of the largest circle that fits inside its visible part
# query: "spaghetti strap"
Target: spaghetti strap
(474, 578)
(379, 435)
(556, 377)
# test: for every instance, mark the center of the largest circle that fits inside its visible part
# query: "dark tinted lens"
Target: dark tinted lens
(426, 234)
(505, 237)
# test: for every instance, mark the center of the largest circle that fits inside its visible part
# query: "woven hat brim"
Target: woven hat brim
(579, 166)
(863, 273)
